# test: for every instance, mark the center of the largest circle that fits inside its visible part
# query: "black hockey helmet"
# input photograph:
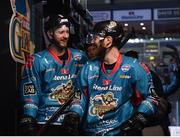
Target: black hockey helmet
(53, 22)
(108, 28)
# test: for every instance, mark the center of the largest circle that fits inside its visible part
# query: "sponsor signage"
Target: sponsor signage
(132, 15)
(20, 43)
(174, 130)
(100, 15)
(166, 13)
(151, 49)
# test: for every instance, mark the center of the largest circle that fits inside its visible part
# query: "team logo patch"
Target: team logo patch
(106, 82)
(77, 57)
(103, 103)
(125, 68)
(62, 93)
(29, 89)
(64, 71)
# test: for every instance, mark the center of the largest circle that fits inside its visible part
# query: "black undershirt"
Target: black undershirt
(109, 66)
(64, 57)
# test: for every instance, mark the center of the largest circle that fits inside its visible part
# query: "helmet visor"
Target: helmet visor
(91, 37)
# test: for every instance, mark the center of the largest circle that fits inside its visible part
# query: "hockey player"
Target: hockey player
(108, 85)
(160, 120)
(48, 79)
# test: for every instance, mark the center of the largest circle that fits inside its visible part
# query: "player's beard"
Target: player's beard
(60, 45)
(101, 50)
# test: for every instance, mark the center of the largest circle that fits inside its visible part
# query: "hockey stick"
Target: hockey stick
(126, 38)
(55, 115)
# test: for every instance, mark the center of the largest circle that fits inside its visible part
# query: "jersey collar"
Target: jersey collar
(58, 59)
(115, 68)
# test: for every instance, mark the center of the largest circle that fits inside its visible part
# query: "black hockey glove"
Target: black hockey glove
(134, 125)
(28, 126)
(71, 124)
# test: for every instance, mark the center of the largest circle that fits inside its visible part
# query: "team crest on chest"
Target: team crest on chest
(62, 93)
(102, 103)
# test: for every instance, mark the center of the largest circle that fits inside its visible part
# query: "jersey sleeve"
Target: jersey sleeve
(30, 86)
(79, 104)
(84, 58)
(144, 85)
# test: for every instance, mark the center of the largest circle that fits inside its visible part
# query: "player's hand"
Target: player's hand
(134, 125)
(28, 126)
(71, 123)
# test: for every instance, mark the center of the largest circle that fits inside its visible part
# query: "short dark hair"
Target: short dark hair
(132, 53)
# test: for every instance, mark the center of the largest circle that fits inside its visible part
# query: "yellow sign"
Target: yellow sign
(20, 43)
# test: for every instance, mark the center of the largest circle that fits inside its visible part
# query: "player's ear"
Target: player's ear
(50, 34)
(109, 41)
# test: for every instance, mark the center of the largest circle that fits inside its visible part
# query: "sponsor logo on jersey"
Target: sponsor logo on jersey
(102, 132)
(93, 76)
(50, 70)
(62, 92)
(31, 106)
(29, 89)
(124, 76)
(59, 119)
(105, 88)
(102, 103)
(103, 123)
(125, 68)
(65, 77)
(79, 65)
(51, 109)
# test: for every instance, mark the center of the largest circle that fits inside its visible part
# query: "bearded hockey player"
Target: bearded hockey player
(117, 93)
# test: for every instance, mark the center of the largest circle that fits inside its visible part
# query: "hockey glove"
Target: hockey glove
(71, 123)
(134, 125)
(28, 126)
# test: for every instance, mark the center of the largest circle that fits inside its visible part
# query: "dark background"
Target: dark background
(9, 106)
(7, 74)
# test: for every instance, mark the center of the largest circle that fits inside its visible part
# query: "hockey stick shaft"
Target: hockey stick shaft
(55, 115)
(126, 38)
